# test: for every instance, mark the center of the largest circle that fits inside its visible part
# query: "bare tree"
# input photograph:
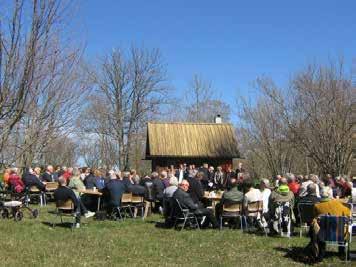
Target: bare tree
(314, 113)
(38, 78)
(202, 104)
(130, 90)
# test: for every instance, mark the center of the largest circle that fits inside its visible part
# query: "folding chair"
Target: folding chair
(138, 204)
(306, 215)
(254, 211)
(184, 215)
(335, 231)
(65, 209)
(231, 211)
(125, 206)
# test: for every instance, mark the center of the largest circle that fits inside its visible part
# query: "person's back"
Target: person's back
(116, 188)
(331, 207)
(195, 189)
(311, 196)
(63, 193)
(232, 196)
(32, 180)
(90, 181)
(158, 188)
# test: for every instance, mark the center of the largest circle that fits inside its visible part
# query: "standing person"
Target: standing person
(47, 176)
(219, 179)
(239, 171)
(211, 175)
(228, 176)
(180, 173)
(205, 171)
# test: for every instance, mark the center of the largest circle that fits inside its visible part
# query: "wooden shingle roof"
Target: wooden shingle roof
(208, 140)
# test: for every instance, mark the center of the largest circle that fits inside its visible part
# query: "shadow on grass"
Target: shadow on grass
(67, 225)
(302, 254)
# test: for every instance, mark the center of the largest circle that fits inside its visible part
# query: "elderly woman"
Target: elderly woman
(76, 182)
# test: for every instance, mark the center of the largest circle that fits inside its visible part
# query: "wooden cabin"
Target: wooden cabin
(192, 143)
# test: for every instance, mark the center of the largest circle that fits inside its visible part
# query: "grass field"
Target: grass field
(33, 242)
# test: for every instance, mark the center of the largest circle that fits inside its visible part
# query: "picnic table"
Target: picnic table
(92, 192)
(214, 198)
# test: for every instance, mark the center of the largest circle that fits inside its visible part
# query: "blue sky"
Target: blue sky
(230, 43)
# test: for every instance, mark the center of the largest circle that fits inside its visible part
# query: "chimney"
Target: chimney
(218, 119)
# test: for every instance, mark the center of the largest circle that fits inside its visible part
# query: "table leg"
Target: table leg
(98, 203)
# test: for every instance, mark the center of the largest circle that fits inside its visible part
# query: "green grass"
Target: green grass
(32, 242)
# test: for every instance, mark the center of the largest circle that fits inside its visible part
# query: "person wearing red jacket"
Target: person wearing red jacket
(292, 183)
(15, 181)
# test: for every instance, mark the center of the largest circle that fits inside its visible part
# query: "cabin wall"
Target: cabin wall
(161, 163)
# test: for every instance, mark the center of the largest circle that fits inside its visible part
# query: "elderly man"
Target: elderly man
(187, 202)
(48, 175)
(64, 193)
(32, 178)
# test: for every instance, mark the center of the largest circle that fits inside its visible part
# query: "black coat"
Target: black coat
(195, 189)
(115, 189)
(185, 200)
(158, 188)
(46, 177)
(32, 180)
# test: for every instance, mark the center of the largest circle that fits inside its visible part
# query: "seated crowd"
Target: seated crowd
(189, 186)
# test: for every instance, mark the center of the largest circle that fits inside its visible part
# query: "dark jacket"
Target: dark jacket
(185, 200)
(232, 196)
(148, 185)
(47, 177)
(32, 180)
(90, 181)
(158, 188)
(195, 189)
(63, 193)
(115, 188)
(309, 199)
